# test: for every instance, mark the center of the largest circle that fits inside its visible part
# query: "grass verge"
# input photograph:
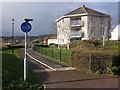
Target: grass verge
(62, 56)
(12, 73)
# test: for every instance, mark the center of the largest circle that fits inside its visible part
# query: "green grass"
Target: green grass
(111, 45)
(12, 73)
(0, 70)
(54, 54)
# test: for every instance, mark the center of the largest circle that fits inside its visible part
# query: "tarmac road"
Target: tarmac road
(69, 79)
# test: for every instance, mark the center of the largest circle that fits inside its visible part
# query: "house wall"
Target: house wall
(63, 31)
(97, 26)
(93, 28)
(55, 41)
(115, 34)
(83, 29)
(74, 33)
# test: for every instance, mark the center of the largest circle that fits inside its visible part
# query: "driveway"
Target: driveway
(57, 76)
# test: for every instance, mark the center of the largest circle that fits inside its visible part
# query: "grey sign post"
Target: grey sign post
(26, 27)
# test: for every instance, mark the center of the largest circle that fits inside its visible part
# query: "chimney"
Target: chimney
(84, 6)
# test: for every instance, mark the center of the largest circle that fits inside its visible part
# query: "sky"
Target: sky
(44, 14)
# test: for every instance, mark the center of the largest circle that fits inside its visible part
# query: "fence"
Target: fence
(101, 63)
(59, 55)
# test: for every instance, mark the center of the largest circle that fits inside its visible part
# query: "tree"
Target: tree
(105, 31)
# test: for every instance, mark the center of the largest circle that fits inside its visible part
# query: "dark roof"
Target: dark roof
(86, 10)
(77, 11)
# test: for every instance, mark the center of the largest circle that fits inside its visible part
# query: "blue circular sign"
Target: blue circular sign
(26, 27)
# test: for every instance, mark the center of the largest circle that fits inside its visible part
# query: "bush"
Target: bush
(52, 44)
(42, 45)
(23, 85)
(89, 59)
(5, 47)
(92, 42)
(20, 46)
(88, 43)
(10, 47)
(80, 60)
(98, 72)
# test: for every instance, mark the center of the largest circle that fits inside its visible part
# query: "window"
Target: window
(101, 20)
(78, 18)
(93, 19)
(62, 20)
(92, 30)
(62, 40)
(102, 31)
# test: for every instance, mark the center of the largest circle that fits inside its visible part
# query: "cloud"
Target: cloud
(0, 19)
(45, 14)
(119, 10)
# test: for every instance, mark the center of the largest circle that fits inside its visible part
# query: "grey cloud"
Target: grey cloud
(45, 14)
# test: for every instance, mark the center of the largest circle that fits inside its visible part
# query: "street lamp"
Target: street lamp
(12, 35)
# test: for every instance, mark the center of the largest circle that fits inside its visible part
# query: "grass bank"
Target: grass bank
(12, 73)
(62, 55)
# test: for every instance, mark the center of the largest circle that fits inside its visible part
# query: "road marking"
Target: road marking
(65, 69)
(42, 70)
(44, 86)
(57, 69)
(41, 62)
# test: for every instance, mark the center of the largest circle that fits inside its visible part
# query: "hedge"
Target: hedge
(92, 61)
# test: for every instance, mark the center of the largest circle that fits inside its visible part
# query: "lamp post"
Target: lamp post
(13, 35)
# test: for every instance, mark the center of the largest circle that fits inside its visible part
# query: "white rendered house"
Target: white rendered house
(52, 41)
(83, 24)
(115, 34)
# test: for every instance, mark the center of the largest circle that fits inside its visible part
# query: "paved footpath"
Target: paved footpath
(66, 77)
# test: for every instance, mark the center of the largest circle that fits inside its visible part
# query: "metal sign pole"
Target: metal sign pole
(25, 58)
(26, 27)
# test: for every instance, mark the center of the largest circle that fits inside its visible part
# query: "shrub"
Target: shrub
(92, 60)
(23, 85)
(42, 45)
(98, 72)
(5, 47)
(88, 43)
(92, 42)
(52, 44)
